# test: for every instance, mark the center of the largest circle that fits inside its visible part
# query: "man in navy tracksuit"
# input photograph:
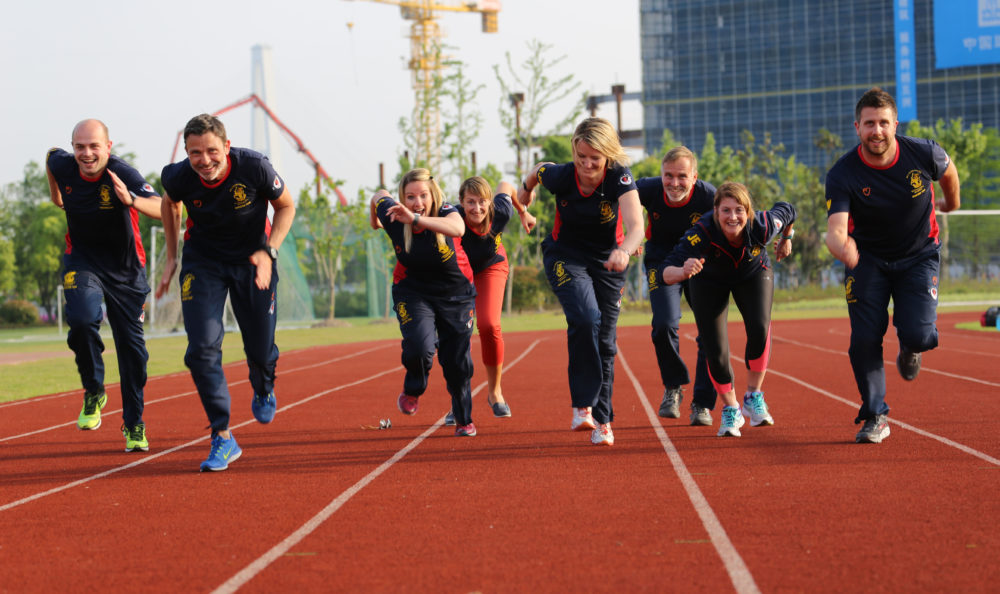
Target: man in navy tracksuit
(674, 202)
(230, 247)
(882, 226)
(104, 260)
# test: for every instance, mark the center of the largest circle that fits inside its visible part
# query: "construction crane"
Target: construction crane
(425, 64)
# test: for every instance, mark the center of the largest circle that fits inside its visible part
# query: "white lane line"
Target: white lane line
(738, 571)
(190, 392)
(277, 551)
(892, 420)
(152, 457)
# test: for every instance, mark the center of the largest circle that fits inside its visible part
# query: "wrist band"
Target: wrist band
(524, 184)
(416, 218)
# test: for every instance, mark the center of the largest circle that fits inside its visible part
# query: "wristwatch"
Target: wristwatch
(271, 251)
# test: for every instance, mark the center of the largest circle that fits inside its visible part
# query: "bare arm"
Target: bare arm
(526, 193)
(170, 214)
(284, 214)
(373, 209)
(840, 244)
(950, 187)
(54, 194)
(631, 213)
(149, 206)
(675, 274)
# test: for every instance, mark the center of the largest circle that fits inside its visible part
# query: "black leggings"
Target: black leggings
(710, 304)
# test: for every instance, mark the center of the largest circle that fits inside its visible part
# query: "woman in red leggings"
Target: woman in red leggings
(486, 216)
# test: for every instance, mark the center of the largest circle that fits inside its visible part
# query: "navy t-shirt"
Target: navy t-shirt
(589, 223)
(227, 220)
(725, 263)
(429, 268)
(487, 249)
(669, 221)
(102, 233)
(891, 208)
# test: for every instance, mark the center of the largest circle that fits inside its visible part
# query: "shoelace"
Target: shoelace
(136, 433)
(729, 416)
(757, 403)
(90, 403)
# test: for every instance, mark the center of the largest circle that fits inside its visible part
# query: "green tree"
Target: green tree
(332, 229)
(523, 119)
(717, 166)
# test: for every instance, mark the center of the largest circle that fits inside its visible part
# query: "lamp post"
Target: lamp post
(516, 99)
(152, 272)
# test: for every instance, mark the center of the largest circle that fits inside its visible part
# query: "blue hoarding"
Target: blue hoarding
(966, 32)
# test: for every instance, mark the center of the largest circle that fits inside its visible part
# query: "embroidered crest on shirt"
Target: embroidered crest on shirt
(240, 196)
(607, 214)
(916, 180)
(104, 194)
(445, 251)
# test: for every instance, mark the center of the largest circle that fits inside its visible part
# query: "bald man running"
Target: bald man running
(104, 260)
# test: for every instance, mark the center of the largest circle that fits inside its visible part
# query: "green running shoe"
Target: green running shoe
(90, 414)
(135, 438)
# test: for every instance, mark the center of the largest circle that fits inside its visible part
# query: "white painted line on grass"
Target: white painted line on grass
(737, 570)
(277, 551)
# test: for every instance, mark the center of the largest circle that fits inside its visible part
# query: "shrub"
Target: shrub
(18, 313)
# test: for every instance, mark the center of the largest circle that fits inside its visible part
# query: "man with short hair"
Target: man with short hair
(230, 248)
(104, 261)
(882, 226)
(674, 202)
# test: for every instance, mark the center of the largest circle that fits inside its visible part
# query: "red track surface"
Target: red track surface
(318, 503)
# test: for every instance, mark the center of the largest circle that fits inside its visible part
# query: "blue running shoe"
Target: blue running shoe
(263, 407)
(732, 420)
(223, 452)
(755, 408)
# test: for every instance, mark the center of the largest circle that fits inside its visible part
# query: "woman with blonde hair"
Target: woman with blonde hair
(723, 254)
(585, 259)
(432, 292)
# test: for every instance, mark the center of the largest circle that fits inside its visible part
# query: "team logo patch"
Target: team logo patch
(142, 315)
(472, 315)
(933, 293)
(277, 183)
(916, 180)
(849, 290)
(242, 200)
(104, 195)
(68, 190)
(695, 217)
(147, 188)
(625, 179)
(402, 313)
(69, 280)
(755, 252)
(270, 310)
(607, 213)
(564, 203)
(867, 191)
(186, 282)
(694, 239)
(656, 216)
(445, 251)
(652, 279)
(497, 242)
(562, 277)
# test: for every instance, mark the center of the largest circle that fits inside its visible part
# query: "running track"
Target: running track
(320, 503)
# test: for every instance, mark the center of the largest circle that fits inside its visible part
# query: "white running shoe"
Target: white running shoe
(732, 420)
(582, 420)
(602, 435)
(755, 408)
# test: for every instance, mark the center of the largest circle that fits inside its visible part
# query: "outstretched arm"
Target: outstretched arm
(840, 244)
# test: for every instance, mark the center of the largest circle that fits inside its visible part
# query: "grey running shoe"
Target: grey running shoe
(908, 364)
(874, 430)
(670, 408)
(700, 416)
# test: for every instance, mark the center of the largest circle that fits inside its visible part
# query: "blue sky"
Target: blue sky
(146, 67)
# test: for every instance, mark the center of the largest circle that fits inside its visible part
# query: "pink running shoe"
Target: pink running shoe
(465, 430)
(582, 420)
(407, 404)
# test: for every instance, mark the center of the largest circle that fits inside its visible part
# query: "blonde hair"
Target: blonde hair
(603, 138)
(479, 187)
(737, 192)
(421, 175)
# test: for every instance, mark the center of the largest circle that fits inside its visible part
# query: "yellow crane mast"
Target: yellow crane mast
(425, 64)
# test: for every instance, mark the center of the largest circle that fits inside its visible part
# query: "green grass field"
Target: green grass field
(56, 372)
